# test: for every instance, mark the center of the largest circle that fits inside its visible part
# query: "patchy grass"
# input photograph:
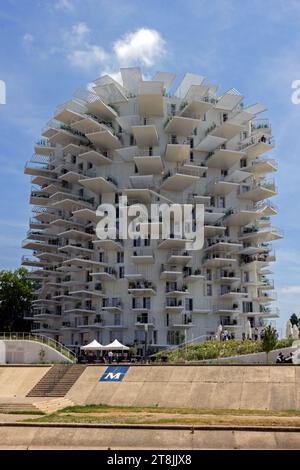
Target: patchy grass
(165, 416)
(217, 349)
(36, 413)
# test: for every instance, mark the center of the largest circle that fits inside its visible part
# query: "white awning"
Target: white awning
(93, 346)
(115, 346)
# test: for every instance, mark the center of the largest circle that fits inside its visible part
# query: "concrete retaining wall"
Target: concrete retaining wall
(18, 381)
(28, 352)
(218, 387)
(118, 438)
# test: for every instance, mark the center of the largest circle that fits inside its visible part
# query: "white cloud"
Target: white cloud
(64, 5)
(80, 31)
(88, 58)
(143, 45)
(290, 290)
(28, 39)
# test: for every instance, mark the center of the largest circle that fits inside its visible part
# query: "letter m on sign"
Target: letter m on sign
(114, 374)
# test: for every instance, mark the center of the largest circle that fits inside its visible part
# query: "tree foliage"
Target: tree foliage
(294, 320)
(269, 340)
(15, 300)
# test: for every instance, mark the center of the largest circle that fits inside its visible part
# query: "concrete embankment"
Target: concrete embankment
(117, 437)
(211, 387)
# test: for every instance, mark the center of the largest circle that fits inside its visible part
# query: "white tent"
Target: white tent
(295, 332)
(289, 330)
(93, 346)
(115, 346)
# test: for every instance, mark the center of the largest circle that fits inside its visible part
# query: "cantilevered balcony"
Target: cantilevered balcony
(105, 139)
(109, 245)
(149, 165)
(62, 134)
(227, 309)
(73, 234)
(261, 167)
(173, 305)
(231, 293)
(178, 258)
(173, 242)
(229, 100)
(177, 153)
(259, 235)
(223, 245)
(176, 291)
(108, 274)
(256, 145)
(145, 136)
(210, 143)
(240, 216)
(112, 304)
(70, 111)
(257, 191)
(227, 277)
(100, 184)
(85, 263)
(192, 275)
(96, 158)
(221, 186)
(219, 260)
(143, 256)
(150, 98)
(143, 287)
(170, 273)
(96, 106)
(181, 126)
(44, 147)
(39, 169)
(179, 179)
(222, 158)
(225, 129)
(39, 198)
(27, 261)
(183, 322)
(196, 106)
(267, 208)
(145, 319)
(142, 181)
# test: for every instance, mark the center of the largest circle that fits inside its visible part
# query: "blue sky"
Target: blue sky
(48, 49)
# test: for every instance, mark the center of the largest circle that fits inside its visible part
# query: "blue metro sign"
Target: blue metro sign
(114, 374)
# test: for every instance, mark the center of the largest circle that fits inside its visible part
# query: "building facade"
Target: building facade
(191, 145)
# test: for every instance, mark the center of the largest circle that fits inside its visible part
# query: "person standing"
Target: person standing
(110, 356)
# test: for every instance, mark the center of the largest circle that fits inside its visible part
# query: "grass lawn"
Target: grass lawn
(103, 414)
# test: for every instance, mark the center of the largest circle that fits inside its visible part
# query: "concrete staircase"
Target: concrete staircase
(57, 381)
(11, 408)
(53, 405)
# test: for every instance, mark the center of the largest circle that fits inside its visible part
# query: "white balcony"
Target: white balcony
(149, 165)
(223, 158)
(178, 179)
(220, 186)
(210, 143)
(196, 108)
(44, 147)
(143, 256)
(108, 275)
(177, 152)
(173, 243)
(150, 98)
(232, 294)
(73, 234)
(240, 217)
(229, 100)
(213, 230)
(87, 124)
(142, 181)
(262, 167)
(99, 185)
(181, 126)
(219, 260)
(86, 215)
(255, 146)
(170, 273)
(178, 257)
(174, 306)
(223, 246)
(39, 169)
(142, 288)
(145, 136)
(257, 191)
(96, 158)
(109, 245)
(105, 139)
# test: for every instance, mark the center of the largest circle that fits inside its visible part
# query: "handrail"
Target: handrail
(41, 339)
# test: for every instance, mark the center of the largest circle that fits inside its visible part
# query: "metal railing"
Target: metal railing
(10, 336)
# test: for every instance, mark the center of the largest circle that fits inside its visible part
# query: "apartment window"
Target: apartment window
(173, 109)
(209, 275)
(173, 139)
(222, 202)
(171, 286)
(73, 159)
(189, 305)
(147, 241)
(120, 257)
(247, 307)
(80, 166)
(246, 276)
(191, 142)
(225, 117)
(117, 319)
(224, 172)
(137, 242)
(174, 338)
(147, 302)
(136, 169)
(131, 140)
(191, 156)
(243, 162)
(154, 337)
(90, 165)
(195, 131)
(167, 319)
(101, 257)
(121, 272)
(150, 151)
(209, 290)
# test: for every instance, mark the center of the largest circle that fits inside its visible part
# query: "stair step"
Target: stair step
(57, 381)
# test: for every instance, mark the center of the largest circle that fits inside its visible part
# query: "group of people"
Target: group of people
(256, 336)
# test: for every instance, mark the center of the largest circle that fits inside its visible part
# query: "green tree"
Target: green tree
(15, 300)
(269, 340)
(294, 320)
